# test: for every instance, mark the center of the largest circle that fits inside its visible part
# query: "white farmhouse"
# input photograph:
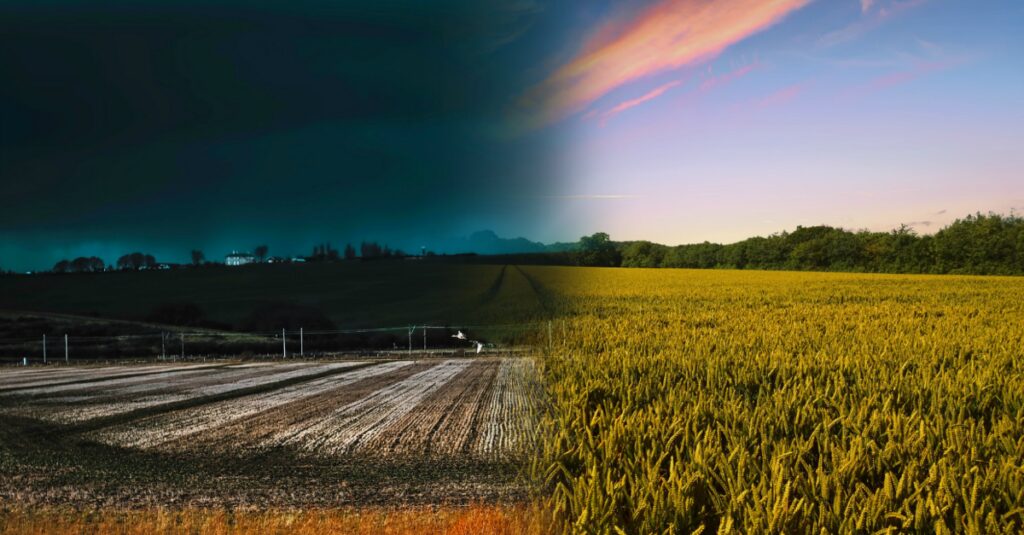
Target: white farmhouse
(236, 258)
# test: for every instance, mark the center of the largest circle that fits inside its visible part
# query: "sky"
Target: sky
(721, 120)
(166, 126)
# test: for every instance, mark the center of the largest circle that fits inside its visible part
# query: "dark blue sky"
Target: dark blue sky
(167, 126)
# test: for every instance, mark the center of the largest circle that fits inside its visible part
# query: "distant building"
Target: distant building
(236, 258)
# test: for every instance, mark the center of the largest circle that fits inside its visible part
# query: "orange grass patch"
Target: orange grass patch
(471, 520)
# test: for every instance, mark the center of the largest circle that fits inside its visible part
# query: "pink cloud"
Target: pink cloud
(667, 35)
(782, 96)
(898, 78)
(623, 106)
(727, 78)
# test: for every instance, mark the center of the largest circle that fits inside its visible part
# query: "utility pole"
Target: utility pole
(284, 345)
(163, 346)
(302, 343)
(66, 360)
(410, 339)
(424, 338)
(44, 349)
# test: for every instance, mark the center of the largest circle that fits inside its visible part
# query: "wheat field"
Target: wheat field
(721, 401)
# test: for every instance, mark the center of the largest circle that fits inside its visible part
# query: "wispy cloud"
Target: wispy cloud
(592, 197)
(781, 96)
(899, 78)
(668, 35)
(652, 94)
(724, 79)
(874, 16)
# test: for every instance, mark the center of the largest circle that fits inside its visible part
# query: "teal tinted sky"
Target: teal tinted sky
(724, 122)
(167, 126)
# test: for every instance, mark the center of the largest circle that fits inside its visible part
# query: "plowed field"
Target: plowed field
(295, 433)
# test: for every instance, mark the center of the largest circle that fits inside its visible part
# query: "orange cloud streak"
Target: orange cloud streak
(667, 35)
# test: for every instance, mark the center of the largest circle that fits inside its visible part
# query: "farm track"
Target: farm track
(539, 292)
(495, 288)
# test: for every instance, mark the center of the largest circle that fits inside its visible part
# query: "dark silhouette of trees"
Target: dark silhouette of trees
(372, 250)
(136, 261)
(82, 264)
(197, 257)
(323, 253)
(350, 252)
(369, 250)
(261, 252)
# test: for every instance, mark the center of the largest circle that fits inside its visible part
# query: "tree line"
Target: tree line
(976, 244)
(323, 252)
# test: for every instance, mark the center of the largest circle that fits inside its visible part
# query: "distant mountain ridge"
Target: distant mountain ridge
(487, 242)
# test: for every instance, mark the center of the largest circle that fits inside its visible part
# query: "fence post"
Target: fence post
(410, 339)
(66, 360)
(44, 349)
(424, 338)
(302, 343)
(163, 346)
(284, 345)
(182, 345)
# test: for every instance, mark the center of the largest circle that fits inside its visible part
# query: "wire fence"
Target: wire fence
(55, 348)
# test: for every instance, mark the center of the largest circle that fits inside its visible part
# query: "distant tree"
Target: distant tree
(261, 252)
(368, 250)
(643, 254)
(597, 250)
(350, 252)
(63, 266)
(197, 257)
(80, 265)
(85, 264)
(324, 253)
(136, 261)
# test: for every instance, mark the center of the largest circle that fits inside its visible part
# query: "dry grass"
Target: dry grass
(472, 520)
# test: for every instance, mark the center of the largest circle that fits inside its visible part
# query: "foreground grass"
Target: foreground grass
(471, 520)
